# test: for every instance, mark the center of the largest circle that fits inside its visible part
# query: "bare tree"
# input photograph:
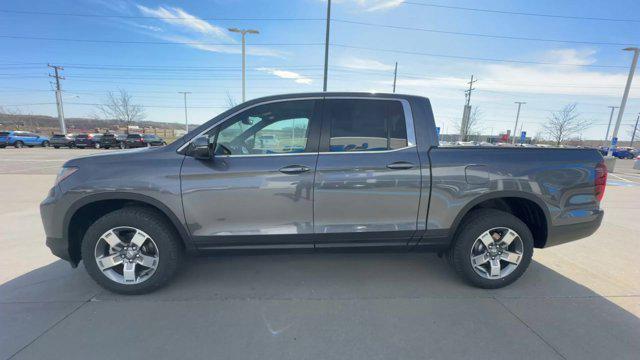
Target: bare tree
(472, 126)
(120, 106)
(565, 123)
(231, 101)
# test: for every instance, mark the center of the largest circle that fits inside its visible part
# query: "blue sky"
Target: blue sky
(184, 46)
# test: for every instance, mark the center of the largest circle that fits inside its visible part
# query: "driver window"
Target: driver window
(275, 128)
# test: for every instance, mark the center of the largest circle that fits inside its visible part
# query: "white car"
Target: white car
(636, 163)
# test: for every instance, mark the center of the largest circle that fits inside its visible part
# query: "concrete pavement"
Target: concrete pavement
(577, 301)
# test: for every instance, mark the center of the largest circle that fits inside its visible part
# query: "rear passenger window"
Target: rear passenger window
(365, 125)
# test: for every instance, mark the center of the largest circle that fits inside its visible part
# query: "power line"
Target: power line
(318, 44)
(23, 12)
(150, 42)
(506, 12)
(588, 42)
(474, 58)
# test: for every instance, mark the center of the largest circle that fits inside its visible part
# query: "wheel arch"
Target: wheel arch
(527, 207)
(83, 212)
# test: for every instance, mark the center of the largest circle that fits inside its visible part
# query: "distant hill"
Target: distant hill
(43, 122)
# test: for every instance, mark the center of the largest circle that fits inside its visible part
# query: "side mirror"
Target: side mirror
(200, 148)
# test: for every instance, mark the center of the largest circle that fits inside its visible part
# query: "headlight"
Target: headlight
(64, 173)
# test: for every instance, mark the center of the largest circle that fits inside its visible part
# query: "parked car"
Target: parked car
(113, 140)
(4, 139)
(63, 140)
(130, 215)
(88, 140)
(143, 140)
(636, 163)
(21, 139)
(620, 153)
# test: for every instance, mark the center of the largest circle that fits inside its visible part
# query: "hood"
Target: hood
(110, 156)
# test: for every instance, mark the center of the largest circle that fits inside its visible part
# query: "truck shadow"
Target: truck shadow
(572, 317)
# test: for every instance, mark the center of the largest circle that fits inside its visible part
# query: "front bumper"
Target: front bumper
(52, 219)
(565, 233)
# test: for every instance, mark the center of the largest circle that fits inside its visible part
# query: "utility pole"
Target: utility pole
(635, 128)
(606, 137)
(186, 118)
(243, 32)
(395, 76)
(326, 46)
(614, 136)
(56, 75)
(515, 128)
(467, 111)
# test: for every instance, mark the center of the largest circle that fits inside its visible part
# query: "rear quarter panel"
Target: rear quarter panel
(559, 180)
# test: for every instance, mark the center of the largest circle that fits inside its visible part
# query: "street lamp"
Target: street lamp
(614, 136)
(243, 32)
(515, 128)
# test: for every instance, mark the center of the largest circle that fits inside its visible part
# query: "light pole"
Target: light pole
(614, 136)
(326, 47)
(243, 32)
(613, 108)
(515, 128)
(186, 118)
(635, 129)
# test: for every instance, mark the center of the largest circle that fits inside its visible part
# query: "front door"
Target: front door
(258, 188)
(367, 186)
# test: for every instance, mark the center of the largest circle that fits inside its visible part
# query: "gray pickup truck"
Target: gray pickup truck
(320, 170)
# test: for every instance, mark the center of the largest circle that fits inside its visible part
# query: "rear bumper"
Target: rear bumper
(566, 233)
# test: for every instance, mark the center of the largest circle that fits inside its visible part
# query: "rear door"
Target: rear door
(256, 193)
(367, 185)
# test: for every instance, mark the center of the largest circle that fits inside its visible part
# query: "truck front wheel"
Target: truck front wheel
(492, 248)
(131, 251)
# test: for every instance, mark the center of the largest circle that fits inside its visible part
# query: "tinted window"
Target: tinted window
(281, 127)
(82, 136)
(58, 136)
(4, 133)
(133, 136)
(366, 125)
(108, 136)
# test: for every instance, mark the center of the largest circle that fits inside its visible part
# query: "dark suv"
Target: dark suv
(143, 140)
(62, 140)
(88, 140)
(113, 141)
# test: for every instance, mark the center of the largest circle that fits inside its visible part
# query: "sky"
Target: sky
(562, 52)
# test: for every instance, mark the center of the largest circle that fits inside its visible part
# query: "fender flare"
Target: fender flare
(119, 195)
(498, 195)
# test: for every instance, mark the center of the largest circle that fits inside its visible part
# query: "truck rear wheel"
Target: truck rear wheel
(131, 251)
(492, 249)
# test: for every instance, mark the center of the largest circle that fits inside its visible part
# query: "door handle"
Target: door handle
(400, 165)
(294, 169)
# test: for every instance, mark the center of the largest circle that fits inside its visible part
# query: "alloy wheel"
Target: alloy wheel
(496, 253)
(126, 255)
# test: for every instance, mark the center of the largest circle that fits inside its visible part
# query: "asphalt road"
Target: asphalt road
(577, 301)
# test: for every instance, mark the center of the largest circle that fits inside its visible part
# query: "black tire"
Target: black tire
(45, 144)
(18, 144)
(72, 145)
(106, 147)
(474, 225)
(56, 147)
(165, 237)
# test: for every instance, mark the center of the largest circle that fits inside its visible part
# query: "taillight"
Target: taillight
(601, 180)
(140, 140)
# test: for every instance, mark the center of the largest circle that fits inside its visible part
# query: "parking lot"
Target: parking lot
(577, 301)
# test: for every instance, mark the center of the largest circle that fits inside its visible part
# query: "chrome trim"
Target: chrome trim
(406, 108)
(364, 152)
(263, 155)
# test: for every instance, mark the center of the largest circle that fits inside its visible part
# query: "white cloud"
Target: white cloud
(147, 27)
(285, 74)
(534, 79)
(364, 64)
(373, 5)
(571, 56)
(185, 21)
